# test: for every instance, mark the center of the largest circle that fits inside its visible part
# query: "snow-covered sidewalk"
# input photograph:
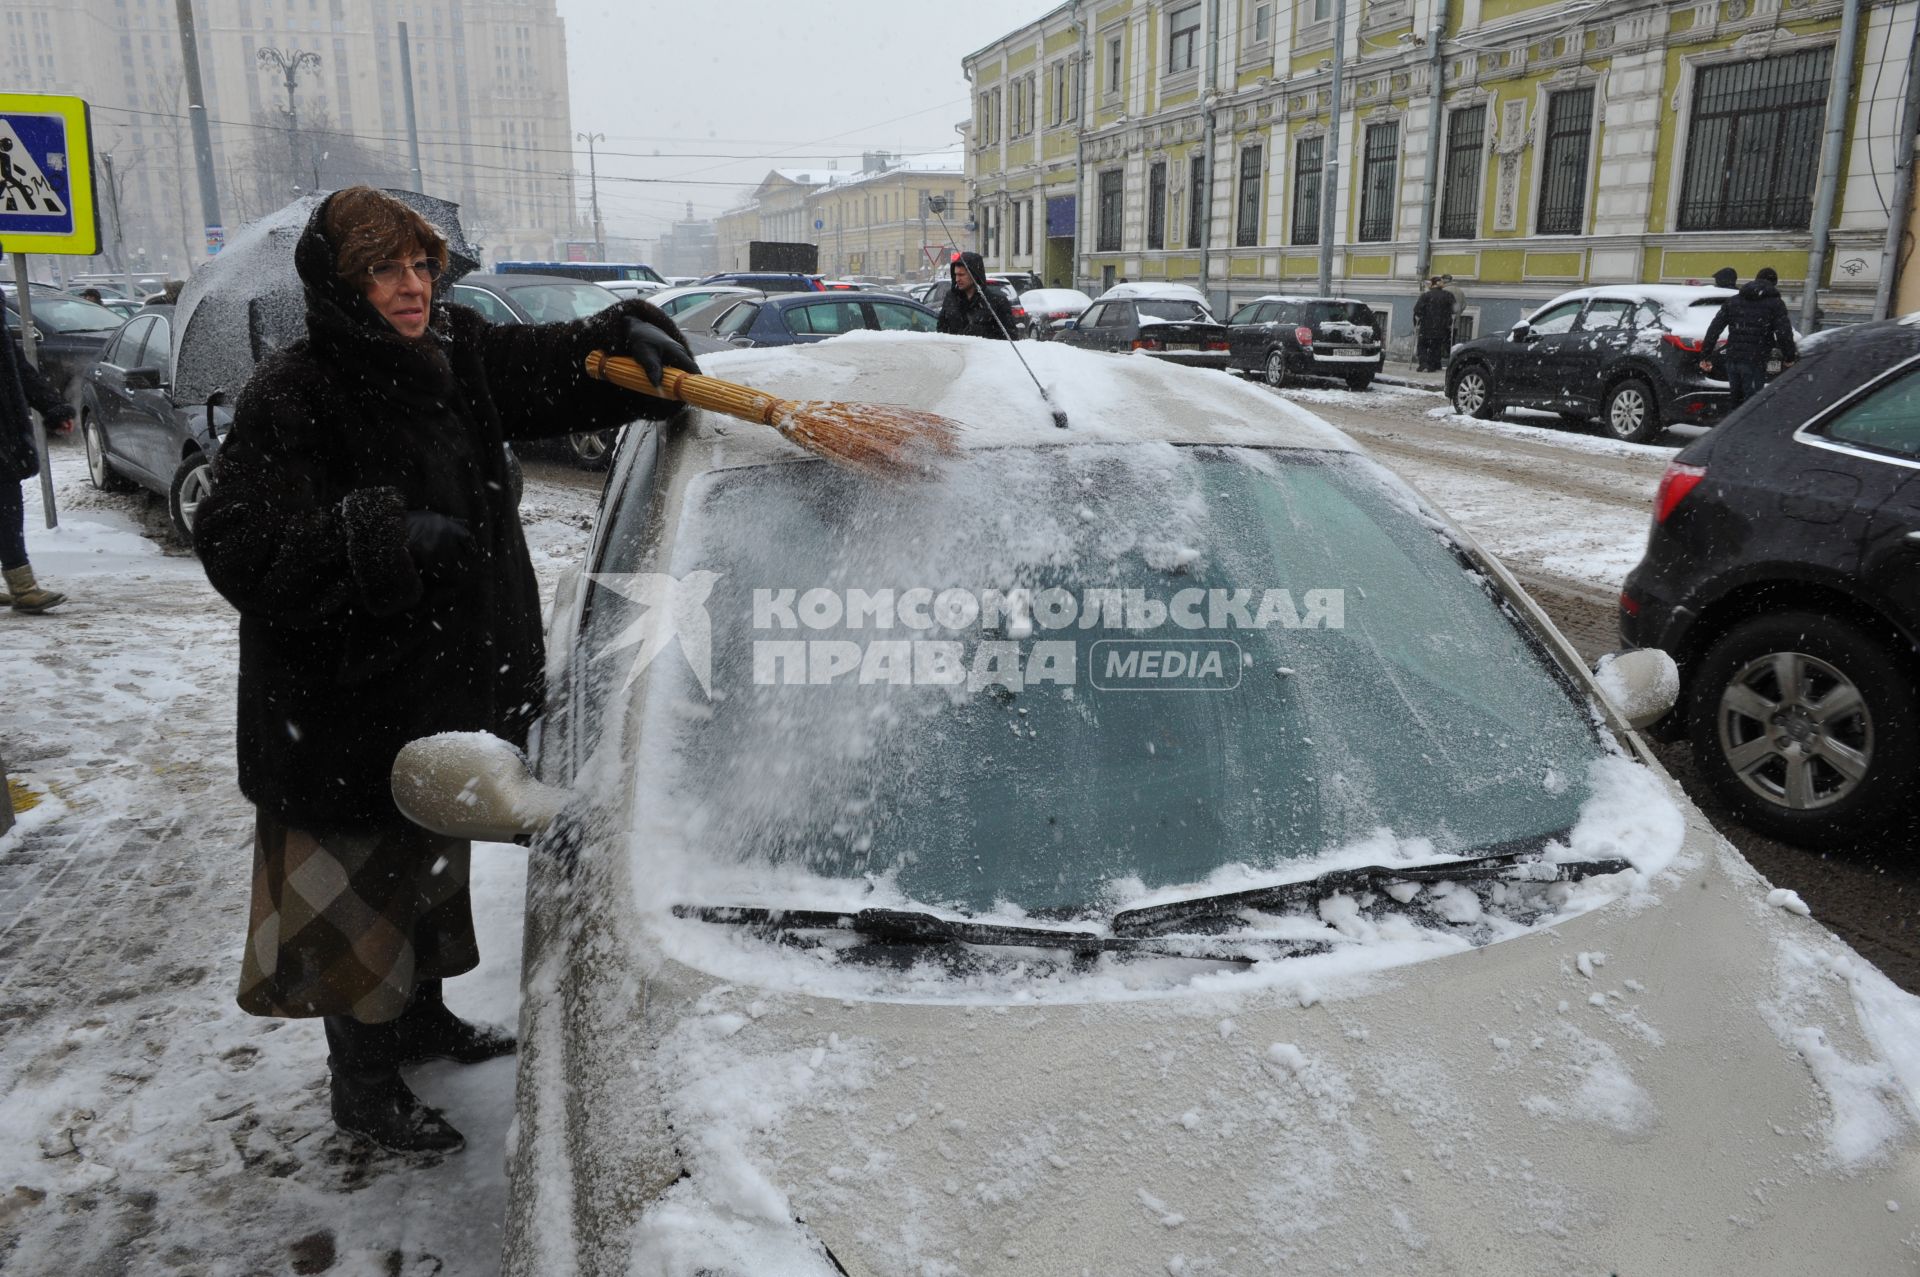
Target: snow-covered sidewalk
(147, 1124)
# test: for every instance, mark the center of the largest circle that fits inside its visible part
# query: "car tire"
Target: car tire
(100, 471)
(592, 449)
(1630, 413)
(1473, 393)
(192, 484)
(1359, 380)
(1770, 752)
(1274, 372)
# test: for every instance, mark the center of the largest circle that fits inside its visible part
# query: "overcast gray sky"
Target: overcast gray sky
(778, 83)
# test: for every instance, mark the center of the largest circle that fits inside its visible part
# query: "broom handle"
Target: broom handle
(701, 391)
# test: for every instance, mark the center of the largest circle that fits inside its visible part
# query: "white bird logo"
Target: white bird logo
(670, 607)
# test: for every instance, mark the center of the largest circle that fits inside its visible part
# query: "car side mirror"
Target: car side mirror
(1521, 332)
(472, 785)
(143, 378)
(1644, 684)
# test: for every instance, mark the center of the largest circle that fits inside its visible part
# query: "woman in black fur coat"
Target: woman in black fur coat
(362, 523)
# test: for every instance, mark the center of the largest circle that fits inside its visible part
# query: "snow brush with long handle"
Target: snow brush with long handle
(878, 438)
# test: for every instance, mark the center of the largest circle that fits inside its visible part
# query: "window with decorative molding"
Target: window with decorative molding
(1460, 198)
(1157, 205)
(1262, 22)
(1753, 143)
(1116, 64)
(1379, 168)
(1247, 228)
(1308, 161)
(1183, 39)
(1110, 212)
(1563, 182)
(1197, 200)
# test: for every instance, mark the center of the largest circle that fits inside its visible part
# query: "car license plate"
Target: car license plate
(1183, 345)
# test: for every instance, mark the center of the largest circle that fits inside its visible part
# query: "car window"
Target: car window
(1888, 419)
(56, 314)
(1557, 319)
(893, 317)
(157, 350)
(125, 352)
(686, 301)
(1116, 315)
(737, 320)
(559, 303)
(1422, 710)
(1648, 315)
(1171, 309)
(491, 307)
(1607, 312)
(1247, 314)
(825, 318)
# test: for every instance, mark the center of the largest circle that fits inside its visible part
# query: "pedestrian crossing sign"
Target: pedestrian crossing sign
(46, 176)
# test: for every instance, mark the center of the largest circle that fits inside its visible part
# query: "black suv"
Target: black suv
(1627, 355)
(1285, 337)
(1783, 575)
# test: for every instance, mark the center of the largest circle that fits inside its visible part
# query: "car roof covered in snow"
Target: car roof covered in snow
(1185, 292)
(1301, 297)
(981, 385)
(1675, 297)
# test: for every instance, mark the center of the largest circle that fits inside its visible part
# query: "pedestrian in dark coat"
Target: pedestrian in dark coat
(1433, 325)
(971, 305)
(362, 522)
(22, 385)
(1756, 323)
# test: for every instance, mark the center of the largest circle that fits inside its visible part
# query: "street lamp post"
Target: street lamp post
(593, 187)
(289, 62)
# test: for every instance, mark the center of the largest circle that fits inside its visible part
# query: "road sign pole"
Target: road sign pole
(32, 349)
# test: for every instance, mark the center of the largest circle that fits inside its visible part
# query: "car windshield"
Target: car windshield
(1229, 657)
(555, 303)
(1170, 309)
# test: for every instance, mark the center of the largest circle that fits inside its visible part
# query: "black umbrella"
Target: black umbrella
(249, 299)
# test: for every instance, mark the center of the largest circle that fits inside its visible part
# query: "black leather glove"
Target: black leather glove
(439, 546)
(654, 349)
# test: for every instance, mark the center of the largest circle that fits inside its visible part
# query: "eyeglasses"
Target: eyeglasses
(390, 273)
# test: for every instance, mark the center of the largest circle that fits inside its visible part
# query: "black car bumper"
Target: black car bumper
(1321, 362)
(1697, 404)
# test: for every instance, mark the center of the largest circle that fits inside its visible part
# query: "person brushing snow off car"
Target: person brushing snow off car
(362, 523)
(1756, 322)
(971, 308)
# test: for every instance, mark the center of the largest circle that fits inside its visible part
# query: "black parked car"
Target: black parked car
(793, 319)
(1627, 355)
(543, 299)
(137, 432)
(1285, 337)
(72, 333)
(1783, 575)
(1176, 329)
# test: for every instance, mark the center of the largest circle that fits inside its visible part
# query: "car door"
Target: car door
(1535, 360)
(1117, 325)
(1249, 331)
(1582, 363)
(113, 401)
(1081, 334)
(891, 317)
(148, 431)
(1879, 432)
(817, 321)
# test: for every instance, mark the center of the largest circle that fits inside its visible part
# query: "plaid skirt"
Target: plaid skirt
(346, 924)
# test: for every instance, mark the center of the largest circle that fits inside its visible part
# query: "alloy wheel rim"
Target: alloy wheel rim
(1795, 730)
(1470, 396)
(194, 489)
(1629, 412)
(96, 455)
(1276, 369)
(589, 445)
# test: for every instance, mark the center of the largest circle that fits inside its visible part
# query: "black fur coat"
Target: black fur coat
(346, 652)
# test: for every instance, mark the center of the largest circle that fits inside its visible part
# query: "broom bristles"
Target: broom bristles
(876, 438)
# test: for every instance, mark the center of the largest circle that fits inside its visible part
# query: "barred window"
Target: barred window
(1754, 142)
(1306, 190)
(1377, 181)
(1248, 230)
(1109, 212)
(1197, 200)
(1157, 206)
(1460, 202)
(1563, 183)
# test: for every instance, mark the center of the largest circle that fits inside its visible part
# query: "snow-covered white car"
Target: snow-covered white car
(1146, 288)
(1048, 308)
(1165, 845)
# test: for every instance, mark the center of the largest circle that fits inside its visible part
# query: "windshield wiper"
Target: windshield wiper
(1509, 863)
(910, 926)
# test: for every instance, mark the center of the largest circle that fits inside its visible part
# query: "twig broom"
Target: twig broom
(877, 438)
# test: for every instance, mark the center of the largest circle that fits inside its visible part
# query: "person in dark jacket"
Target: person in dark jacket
(971, 306)
(1756, 323)
(21, 385)
(362, 523)
(1433, 325)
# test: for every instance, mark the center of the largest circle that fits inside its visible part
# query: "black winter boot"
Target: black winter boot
(370, 1100)
(426, 1030)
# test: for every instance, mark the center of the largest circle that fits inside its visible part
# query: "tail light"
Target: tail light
(1304, 336)
(1218, 345)
(1019, 312)
(1688, 344)
(1675, 484)
(1146, 343)
(1629, 604)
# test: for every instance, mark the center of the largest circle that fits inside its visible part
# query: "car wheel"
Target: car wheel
(100, 473)
(1807, 727)
(1630, 413)
(1473, 393)
(1276, 370)
(1359, 380)
(591, 449)
(192, 484)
